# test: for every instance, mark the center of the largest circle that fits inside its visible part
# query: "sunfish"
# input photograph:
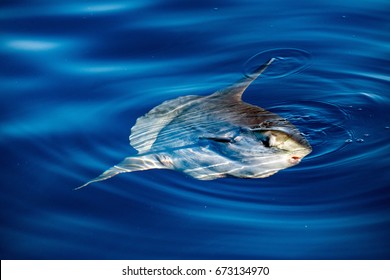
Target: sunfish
(214, 136)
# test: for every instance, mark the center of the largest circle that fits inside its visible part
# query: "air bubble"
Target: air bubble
(348, 141)
(359, 140)
(366, 135)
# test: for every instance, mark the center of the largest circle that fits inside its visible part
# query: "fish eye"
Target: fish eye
(265, 142)
(268, 139)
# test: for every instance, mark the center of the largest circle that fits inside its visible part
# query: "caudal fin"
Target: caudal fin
(129, 164)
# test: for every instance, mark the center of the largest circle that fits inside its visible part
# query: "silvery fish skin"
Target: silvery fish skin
(210, 137)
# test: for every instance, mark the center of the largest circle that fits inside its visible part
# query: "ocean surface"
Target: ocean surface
(76, 75)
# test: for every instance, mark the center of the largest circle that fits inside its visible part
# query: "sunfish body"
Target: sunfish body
(209, 137)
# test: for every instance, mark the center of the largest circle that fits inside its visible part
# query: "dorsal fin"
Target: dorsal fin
(145, 131)
(236, 90)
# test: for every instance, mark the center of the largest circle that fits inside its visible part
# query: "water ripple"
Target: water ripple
(322, 124)
(287, 62)
(76, 76)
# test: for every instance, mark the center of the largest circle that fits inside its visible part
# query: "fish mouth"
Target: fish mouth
(295, 159)
(297, 155)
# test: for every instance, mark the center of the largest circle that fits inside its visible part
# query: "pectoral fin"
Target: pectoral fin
(217, 139)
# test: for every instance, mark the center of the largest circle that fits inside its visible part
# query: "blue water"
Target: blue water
(75, 75)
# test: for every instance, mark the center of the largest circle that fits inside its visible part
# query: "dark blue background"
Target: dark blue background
(75, 75)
